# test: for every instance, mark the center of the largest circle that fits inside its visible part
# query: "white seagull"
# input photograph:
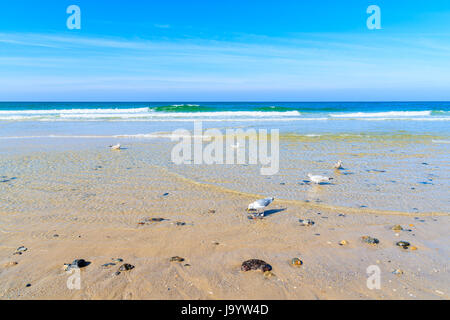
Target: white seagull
(115, 147)
(318, 179)
(338, 165)
(260, 204)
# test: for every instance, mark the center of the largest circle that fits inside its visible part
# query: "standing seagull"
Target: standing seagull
(260, 204)
(318, 179)
(115, 147)
(338, 165)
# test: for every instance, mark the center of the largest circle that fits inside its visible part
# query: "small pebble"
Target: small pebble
(343, 242)
(107, 265)
(126, 267)
(296, 262)
(21, 249)
(370, 240)
(176, 259)
(403, 244)
(306, 222)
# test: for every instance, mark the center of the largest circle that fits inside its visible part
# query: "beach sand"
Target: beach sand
(81, 200)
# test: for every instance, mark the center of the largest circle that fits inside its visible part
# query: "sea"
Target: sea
(147, 119)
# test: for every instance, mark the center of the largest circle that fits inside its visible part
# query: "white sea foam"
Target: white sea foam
(382, 114)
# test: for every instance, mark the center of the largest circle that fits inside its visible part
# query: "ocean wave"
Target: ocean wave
(382, 114)
(137, 114)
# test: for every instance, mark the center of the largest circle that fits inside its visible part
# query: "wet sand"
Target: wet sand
(64, 202)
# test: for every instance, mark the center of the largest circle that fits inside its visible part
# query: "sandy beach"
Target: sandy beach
(80, 200)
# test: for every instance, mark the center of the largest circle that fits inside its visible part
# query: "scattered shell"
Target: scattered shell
(397, 271)
(20, 250)
(370, 240)
(413, 248)
(211, 211)
(343, 243)
(306, 222)
(176, 259)
(397, 227)
(117, 260)
(255, 264)
(268, 274)
(180, 223)
(403, 244)
(126, 267)
(296, 262)
(10, 264)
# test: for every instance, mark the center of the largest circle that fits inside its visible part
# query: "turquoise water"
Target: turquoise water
(41, 119)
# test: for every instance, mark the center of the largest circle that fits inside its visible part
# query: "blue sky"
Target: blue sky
(224, 51)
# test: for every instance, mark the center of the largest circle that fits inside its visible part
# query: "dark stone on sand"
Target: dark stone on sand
(176, 259)
(77, 263)
(126, 267)
(403, 244)
(80, 263)
(28, 285)
(255, 264)
(165, 194)
(211, 211)
(180, 223)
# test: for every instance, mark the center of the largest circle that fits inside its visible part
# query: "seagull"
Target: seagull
(318, 179)
(260, 204)
(115, 147)
(338, 165)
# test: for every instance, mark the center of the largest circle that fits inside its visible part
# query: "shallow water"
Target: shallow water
(396, 155)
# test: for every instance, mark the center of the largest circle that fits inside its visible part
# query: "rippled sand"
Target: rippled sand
(93, 199)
